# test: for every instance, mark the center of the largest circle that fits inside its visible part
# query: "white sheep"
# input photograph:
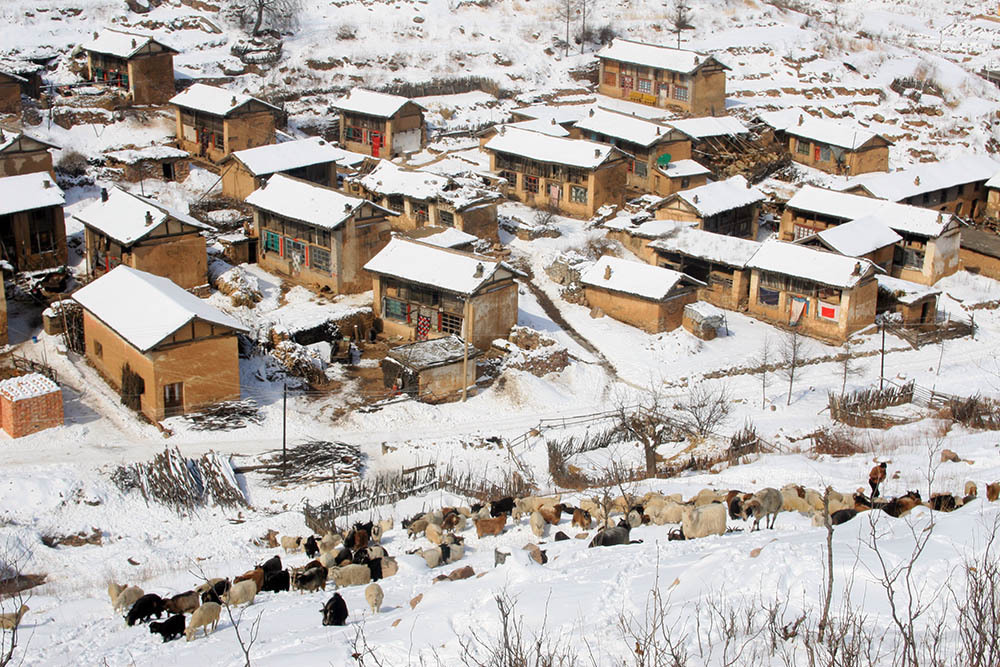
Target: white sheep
(350, 575)
(538, 524)
(114, 590)
(707, 497)
(703, 521)
(204, 616)
(389, 566)
(291, 544)
(669, 512)
(12, 620)
(765, 504)
(374, 596)
(433, 533)
(330, 542)
(127, 598)
(241, 593)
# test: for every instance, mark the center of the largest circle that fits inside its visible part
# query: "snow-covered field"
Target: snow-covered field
(839, 57)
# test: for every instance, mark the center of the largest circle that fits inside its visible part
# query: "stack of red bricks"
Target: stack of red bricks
(28, 404)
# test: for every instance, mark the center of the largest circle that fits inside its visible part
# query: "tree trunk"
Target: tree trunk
(260, 18)
(650, 450)
(828, 594)
(791, 381)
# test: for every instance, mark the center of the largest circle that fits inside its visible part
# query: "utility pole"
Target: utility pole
(466, 327)
(284, 427)
(881, 373)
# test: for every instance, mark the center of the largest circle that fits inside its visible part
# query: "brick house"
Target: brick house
(648, 297)
(10, 93)
(29, 404)
(422, 291)
(423, 199)
(827, 145)
(313, 159)
(728, 207)
(660, 155)
(184, 352)
(820, 293)
(573, 176)
(663, 76)
(379, 124)
(928, 251)
(32, 222)
(315, 235)
(123, 228)
(213, 122)
(23, 154)
(138, 64)
(956, 186)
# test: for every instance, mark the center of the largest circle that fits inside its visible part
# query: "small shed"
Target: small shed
(164, 163)
(431, 370)
(23, 154)
(641, 295)
(32, 223)
(916, 303)
(137, 63)
(10, 93)
(28, 404)
(703, 319)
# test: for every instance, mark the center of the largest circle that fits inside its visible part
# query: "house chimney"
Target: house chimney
(133, 43)
(801, 119)
(591, 113)
(552, 121)
(347, 208)
(607, 272)
(916, 181)
(696, 199)
(232, 102)
(697, 60)
(749, 184)
(2, 137)
(46, 184)
(104, 194)
(95, 34)
(501, 129)
(857, 269)
(657, 131)
(597, 152)
(149, 217)
(479, 270)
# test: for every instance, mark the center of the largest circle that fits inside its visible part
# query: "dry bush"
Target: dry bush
(838, 442)
(976, 412)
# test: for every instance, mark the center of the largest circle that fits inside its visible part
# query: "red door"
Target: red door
(376, 141)
(627, 85)
(816, 153)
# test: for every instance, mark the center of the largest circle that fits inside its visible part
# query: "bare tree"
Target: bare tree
(13, 557)
(705, 409)
(277, 14)
(246, 642)
(792, 350)
(828, 589)
(680, 18)
(648, 424)
(978, 607)
(764, 360)
(849, 366)
(566, 11)
(584, 36)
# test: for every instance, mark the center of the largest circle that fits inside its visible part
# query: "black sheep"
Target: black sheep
(170, 629)
(608, 537)
(271, 565)
(215, 593)
(148, 605)
(842, 516)
(335, 611)
(276, 582)
(502, 506)
(375, 567)
(312, 549)
(344, 557)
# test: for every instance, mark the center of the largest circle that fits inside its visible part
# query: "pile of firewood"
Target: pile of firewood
(312, 462)
(226, 416)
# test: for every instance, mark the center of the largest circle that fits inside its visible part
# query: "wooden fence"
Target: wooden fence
(919, 334)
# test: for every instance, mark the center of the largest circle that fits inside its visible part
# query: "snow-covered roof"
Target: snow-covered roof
(927, 177)
(716, 248)
(710, 126)
(371, 103)
(120, 43)
(430, 353)
(544, 148)
(31, 385)
(449, 237)
(994, 181)
(542, 125)
(800, 124)
(12, 136)
(123, 216)
(622, 126)
(274, 158)
(651, 55)
(134, 155)
(650, 229)
(301, 200)
(143, 308)
(821, 266)
(560, 113)
(714, 198)
(904, 291)
(638, 278)
(900, 217)
(859, 237)
(29, 191)
(450, 270)
(15, 77)
(388, 179)
(683, 168)
(213, 100)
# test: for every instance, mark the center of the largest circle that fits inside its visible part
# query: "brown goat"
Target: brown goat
(551, 513)
(182, 603)
(993, 491)
(582, 519)
(256, 576)
(490, 526)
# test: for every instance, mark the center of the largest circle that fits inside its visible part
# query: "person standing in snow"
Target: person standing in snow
(876, 477)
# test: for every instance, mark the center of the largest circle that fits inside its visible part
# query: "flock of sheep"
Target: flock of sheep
(356, 556)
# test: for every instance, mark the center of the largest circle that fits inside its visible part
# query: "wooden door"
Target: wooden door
(376, 142)
(173, 399)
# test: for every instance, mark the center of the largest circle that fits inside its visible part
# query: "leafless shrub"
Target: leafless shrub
(705, 409)
(978, 606)
(72, 163)
(13, 557)
(792, 353)
(837, 442)
(976, 412)
(347, 32)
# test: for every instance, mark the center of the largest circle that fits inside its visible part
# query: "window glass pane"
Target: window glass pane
(319, 258)
(395, 309)
(767, 297)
